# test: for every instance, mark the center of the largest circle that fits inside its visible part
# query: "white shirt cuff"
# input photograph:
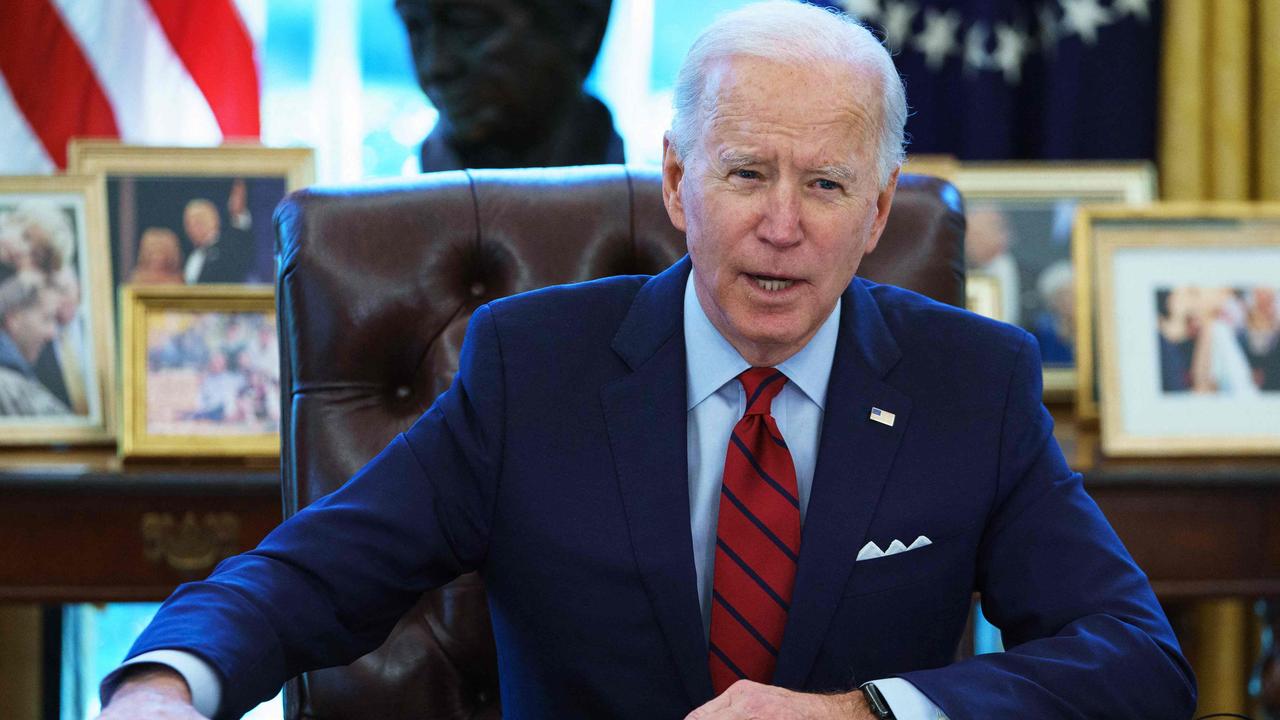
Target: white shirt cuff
(906, 702)
(206, 689)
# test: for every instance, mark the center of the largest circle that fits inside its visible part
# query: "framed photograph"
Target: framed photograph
(1020, 218)
(982, 295)
(56, 333)
(1189, 328)
(942, 166)
(202, 371)
(186, 216)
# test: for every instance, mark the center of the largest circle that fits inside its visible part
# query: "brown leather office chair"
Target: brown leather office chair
(375, 285)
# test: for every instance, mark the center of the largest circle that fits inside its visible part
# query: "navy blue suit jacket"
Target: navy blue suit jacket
(556, 465)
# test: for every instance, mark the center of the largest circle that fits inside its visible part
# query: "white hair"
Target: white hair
(1057, 276)
(791, 32)
(56, 226)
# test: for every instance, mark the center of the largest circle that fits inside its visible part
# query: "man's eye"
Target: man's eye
(825, 184)
(746, 174)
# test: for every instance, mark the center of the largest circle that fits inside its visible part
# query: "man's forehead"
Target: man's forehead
(750, 125)
(838, 83)
(754, 93)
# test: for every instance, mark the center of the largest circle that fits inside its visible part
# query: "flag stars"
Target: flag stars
(1011, 46)
(1137, 8)
(1048, 29)
(976, 57)
(896, 20)
(862, 9)
(1084, 17)
(938, 40)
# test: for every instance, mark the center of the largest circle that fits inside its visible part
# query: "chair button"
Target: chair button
(477, 289)
(402, 392)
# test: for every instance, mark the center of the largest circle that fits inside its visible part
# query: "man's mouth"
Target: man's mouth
(772, 284)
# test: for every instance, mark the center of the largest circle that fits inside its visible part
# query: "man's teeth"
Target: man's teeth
(772, 285)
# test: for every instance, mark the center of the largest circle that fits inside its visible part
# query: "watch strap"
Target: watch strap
(876, 702)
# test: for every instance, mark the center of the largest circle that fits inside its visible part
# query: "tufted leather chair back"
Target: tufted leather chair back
(375, 285)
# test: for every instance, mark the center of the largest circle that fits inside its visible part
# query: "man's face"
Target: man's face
(201, 225)
(35, 326)
(487, 65)
(779, 199)
(67, 289)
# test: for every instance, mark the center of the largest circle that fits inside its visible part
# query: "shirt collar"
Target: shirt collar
(711, 361)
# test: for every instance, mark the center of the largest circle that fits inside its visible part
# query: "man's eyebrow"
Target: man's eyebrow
(839, 172)
(736, 158)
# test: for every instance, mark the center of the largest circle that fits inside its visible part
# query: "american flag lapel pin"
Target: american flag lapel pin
(884, 417)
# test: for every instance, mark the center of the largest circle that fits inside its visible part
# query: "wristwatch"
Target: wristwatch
(875, 700)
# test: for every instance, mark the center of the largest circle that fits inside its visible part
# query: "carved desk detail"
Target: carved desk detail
(190, 545)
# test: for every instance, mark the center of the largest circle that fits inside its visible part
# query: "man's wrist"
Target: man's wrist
(858, 709)
(155, 678)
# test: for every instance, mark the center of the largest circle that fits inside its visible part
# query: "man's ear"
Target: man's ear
(883, 202)
(672, 177)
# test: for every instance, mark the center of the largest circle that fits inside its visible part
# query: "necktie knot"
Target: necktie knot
(762, 385)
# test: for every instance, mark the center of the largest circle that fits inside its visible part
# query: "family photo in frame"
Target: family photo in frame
(202, 371)
(190, 216)
(1020, 217)
(56, 335)
(1188, 335)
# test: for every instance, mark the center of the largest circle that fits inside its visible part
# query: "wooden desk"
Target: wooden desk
(1198, 527)
(82, 526)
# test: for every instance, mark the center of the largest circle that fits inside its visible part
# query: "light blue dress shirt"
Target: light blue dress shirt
(716, 401)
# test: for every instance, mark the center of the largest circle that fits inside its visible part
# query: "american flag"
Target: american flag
(180, 72)
(1025, 79)
(882, 416)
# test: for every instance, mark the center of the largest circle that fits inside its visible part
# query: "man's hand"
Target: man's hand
(746, 700)
(151, 693)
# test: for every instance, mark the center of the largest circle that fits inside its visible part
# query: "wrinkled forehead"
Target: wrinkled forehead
(830, 105)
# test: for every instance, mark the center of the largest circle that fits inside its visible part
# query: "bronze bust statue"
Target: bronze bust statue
(506, 76)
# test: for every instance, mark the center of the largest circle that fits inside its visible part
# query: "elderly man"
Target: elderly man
(752, 486)
(218, 254)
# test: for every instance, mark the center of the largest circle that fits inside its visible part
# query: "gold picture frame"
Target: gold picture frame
(940, 166)
(1037, 198)
(152, 194)
(191, 389)
(110, 157)
(76, 367)
(1189, 365)
(983, 295)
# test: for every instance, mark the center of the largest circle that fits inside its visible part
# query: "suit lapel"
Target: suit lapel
(854, 457)
(647, 422)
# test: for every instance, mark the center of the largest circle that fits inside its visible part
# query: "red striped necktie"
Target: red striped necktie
(757, 541)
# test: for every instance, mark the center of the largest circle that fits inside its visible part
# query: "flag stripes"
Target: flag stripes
(213, 43)
(145, 71)
(50, 79)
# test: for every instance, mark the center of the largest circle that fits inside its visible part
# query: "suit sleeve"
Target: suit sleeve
(1084, 634)
(329, 584)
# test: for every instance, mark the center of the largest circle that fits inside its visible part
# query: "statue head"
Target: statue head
(497, 69)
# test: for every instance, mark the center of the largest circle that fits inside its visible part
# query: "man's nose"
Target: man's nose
(780, 220)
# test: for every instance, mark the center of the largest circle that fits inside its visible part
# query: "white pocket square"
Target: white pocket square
(871, 551)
